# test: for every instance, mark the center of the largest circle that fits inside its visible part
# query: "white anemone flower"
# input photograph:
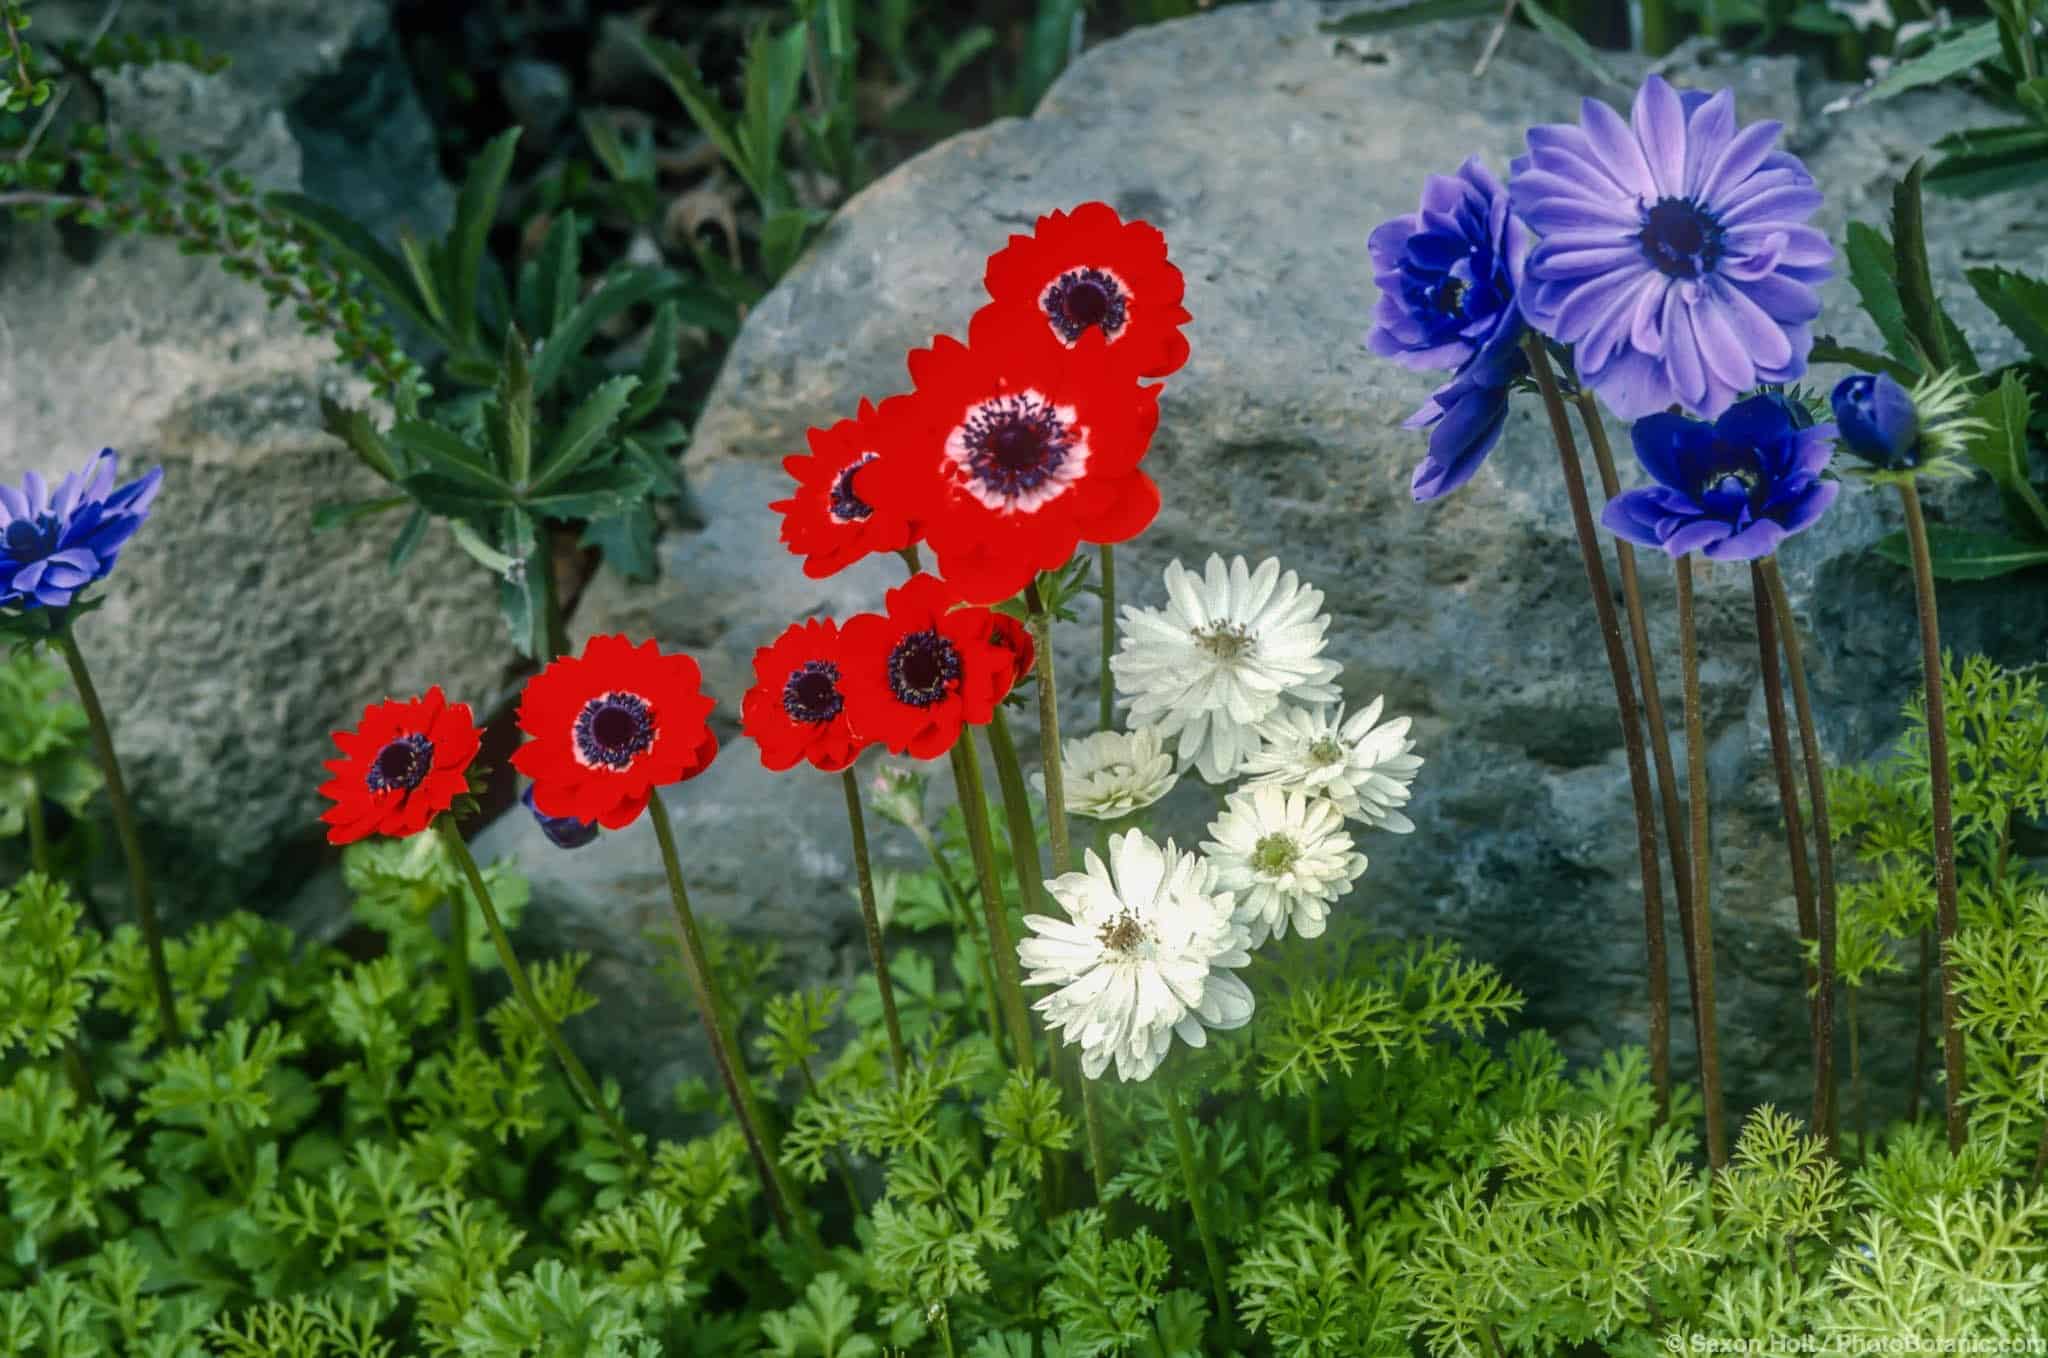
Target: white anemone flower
(1365, 769)
(1142, 955)
(1111, 774)
(1287, 859)
(1218, 659)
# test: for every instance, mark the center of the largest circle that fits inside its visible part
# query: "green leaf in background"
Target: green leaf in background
(409, 537)
(657, 366)
(354, 511)
(2003, 451)
(674, 65)
(773, 78)
(510, 419)
(581, 434)
(564, 345)
(1960, 554)
(355, 428)
(1048, 45)
(1828, 349)
(422, 262)
(594, 493)
(519, 591)
(1405, 16)
(446, 454)
(954, 56)
(1932, 331)
(548, 283)
(1567, 38)
(1870, 270)
(1959, 50)
(2019, 302)
(783, 235)
(1989, 160)
(476, 211)
(358, 250)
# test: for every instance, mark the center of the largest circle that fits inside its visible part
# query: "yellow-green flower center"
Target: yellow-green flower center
(1224, 640)
(1275, 854)
(1326, 751)
(1122, 933)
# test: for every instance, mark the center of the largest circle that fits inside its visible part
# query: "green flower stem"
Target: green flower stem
(1098, 1143)
(1823, 850)
(946, 1332)
(963, 920)
(732, 1074)
(1049, 732)
(1944, 827)
(1017, 815)
(1106, 718)
(458, 965)
(1659, 32)
(1198, 1202)
(124, 827)
(579, 1078)
(553, 632)
(1703, 923)
(1795, 834)
(864, 874)
(1653, 698)
(1010, 988)
(1657, 964)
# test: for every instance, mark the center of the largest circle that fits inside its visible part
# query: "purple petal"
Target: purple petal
(1634, 515)
(1720, 346)
(1659, 125)
(1710, 123)
(37, 493)
(1696, 535)
(1744, 154)
(1761, 337)
(1663, 442)
(1615, 143)
(1760, 539)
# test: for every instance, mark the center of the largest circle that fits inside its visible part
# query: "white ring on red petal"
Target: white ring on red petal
(1071, 470)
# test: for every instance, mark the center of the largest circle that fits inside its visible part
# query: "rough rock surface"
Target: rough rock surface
(235, 639)
(1266, 150)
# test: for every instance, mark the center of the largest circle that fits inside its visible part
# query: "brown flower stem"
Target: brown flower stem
(1944, 827)
(1795, 831)
(1703, 922)
(1106, 718)
(1049, 732)
(456, 959)
(956, 901)
(1010, 986)
(124, 828)
(579, 1078)
(1823, 852)
(739, 1090)
(1658, 964)
(1653, 701)
(864, 875)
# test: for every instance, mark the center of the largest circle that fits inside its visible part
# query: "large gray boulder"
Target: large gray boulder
(234, 638)
(1266, 149)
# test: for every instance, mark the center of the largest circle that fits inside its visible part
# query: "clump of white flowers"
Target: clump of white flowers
(1111, 774)
(1286, 857)
(1219, 658)
(1363, 768)
(1144, 953)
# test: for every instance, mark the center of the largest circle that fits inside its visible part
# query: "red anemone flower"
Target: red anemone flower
(610, 726)
(830, 521)
(1090, 270)
(913, 676)
(795, 710)
(1012, 453)
(1012, 636)
(404, 764)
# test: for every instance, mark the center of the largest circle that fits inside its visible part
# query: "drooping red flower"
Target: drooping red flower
(1012, 452)
(913, 676)
(404, 764)
(830, 521)
(1090, 270)
(795, 710)
(1014, 637)
(610, 726)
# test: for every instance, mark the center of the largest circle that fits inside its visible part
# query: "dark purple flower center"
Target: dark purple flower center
(1733, 479)
(1450, 298)
(614, 729)
(28, 541)
(922, 667)
(401, 765)
(1080, 298)
(1681, 238)
(1015, 444)
(811, 693)
(846, 506)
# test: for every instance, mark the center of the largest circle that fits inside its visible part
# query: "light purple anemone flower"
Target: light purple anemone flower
(55, 542)
(1673, 253)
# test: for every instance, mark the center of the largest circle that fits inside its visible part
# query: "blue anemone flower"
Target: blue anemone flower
(1878, 420)
(56, 542)
(566, 832)
(1448, 276)
(1673, 250)
(1734, 488)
